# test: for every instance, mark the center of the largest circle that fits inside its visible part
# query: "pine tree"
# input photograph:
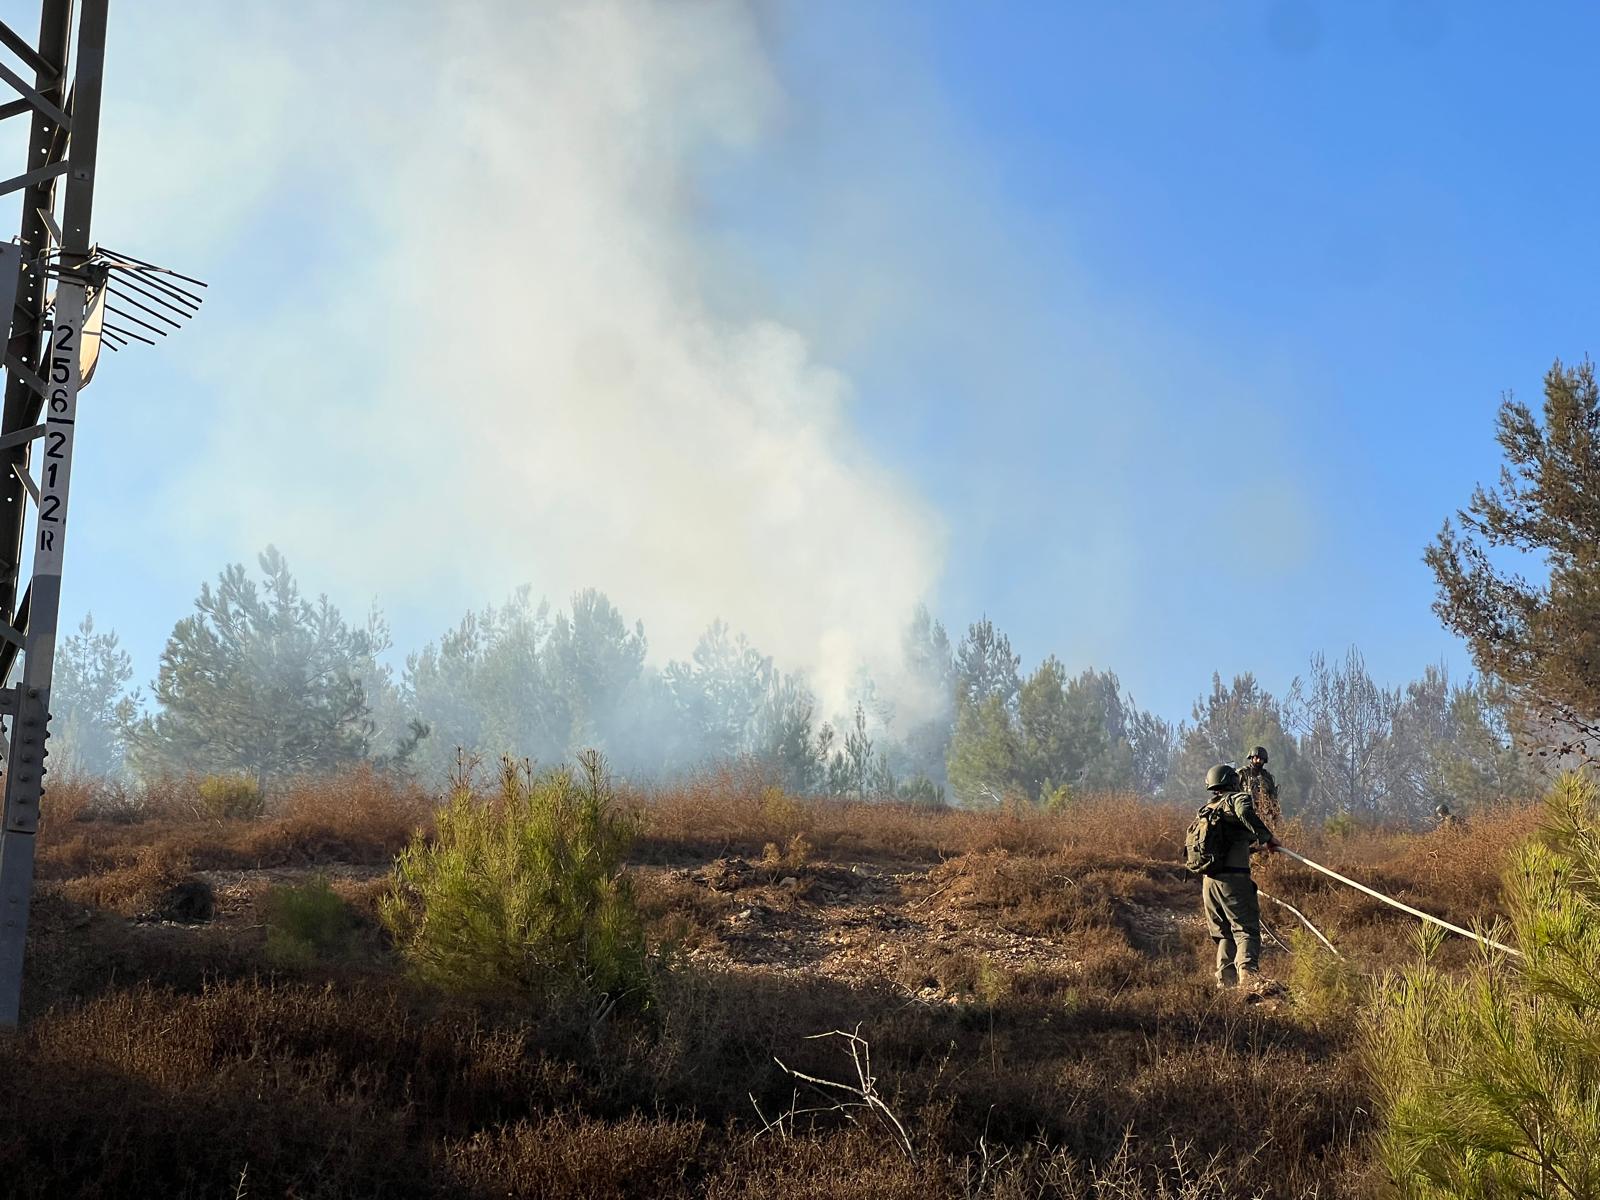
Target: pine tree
(591, 662)
(1541, 638)
(91, 706)
(928, 722)
(259, 680)
(986, 666)
(985, 755)
(1489, 1082)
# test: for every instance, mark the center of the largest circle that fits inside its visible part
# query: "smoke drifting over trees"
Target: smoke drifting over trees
(264, 681)
(683, 447)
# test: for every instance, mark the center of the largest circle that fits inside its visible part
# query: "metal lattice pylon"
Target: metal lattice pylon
(53, 344)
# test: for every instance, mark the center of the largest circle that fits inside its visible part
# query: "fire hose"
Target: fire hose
(1393, 903)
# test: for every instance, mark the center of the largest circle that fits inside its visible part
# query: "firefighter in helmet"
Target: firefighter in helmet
(1228, 893)
(1263, 788)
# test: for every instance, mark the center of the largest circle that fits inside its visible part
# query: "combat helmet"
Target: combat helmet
(1261, 753)
(1222, 778)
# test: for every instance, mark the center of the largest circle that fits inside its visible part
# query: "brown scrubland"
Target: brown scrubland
(1033, 988)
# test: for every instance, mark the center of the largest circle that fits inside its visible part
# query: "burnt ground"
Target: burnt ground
(933, 932)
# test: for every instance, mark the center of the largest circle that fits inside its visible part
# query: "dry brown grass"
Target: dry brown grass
(736, 811)
(323, 1092)
(1113, 1072)
(362, 817)
(356, 814)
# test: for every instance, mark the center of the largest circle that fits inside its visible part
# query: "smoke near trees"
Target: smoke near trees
(93, 708)
(260, 679)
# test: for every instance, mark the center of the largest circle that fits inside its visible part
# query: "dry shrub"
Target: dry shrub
(68, 797)
(1107, 827)
(1463, 861)
(1464, 865)
(74, 797)
(95, 847)
(362, 817)
(169, 797)
(575, 1155)
(138, 888)
(846, 1164)
(447, 1061)
(1023, 893)
(1453, 873)
(360, 1090)
(152, 1095)
(1187, 1174)
(1126, 825)
(359, 815)
(1108, 962)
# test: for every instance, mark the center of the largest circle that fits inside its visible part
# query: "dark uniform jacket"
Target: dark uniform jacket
(1258, 781)
(1248, 828)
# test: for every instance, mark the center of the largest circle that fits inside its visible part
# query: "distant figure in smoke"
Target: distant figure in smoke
(1443, 818)
(1263, 788)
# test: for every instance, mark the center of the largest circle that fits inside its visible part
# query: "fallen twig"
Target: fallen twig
(918, 903)
(864, 1090)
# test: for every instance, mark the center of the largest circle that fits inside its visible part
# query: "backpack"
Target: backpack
(1210, 836)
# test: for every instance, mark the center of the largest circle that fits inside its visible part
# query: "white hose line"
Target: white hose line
(1415, 912)
(1304, 920)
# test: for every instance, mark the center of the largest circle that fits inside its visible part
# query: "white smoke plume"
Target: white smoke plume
(492, 358)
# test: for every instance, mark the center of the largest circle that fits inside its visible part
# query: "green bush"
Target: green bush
(921, 792)
(1325, 989)
(1055, 798)
(525, 892)
(307, 922)
(231, 797)
(1489, 1082)
(1339, 825)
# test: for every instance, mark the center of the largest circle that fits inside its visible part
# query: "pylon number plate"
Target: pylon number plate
(62, 405)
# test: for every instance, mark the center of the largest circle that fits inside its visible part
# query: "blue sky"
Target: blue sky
(1339, 232)
(1098, 294)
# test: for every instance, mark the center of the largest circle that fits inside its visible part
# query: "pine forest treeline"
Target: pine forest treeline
(263, 681)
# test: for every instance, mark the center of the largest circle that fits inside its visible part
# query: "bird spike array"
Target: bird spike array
(138, 301)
